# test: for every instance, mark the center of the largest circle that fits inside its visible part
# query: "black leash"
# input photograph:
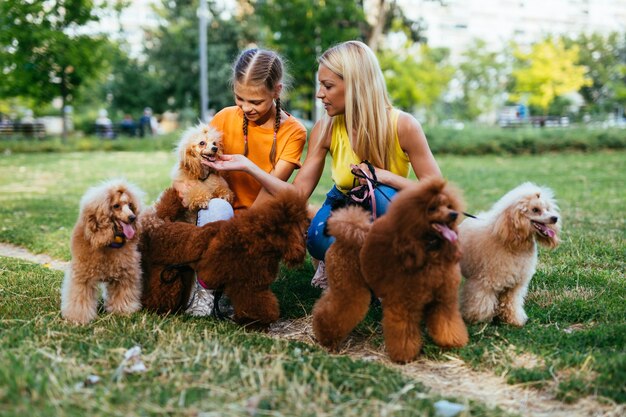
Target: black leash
(375, 183)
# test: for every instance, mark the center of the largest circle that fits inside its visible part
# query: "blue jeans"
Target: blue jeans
(317, 239)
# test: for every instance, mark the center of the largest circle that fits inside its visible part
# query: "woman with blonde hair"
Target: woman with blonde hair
(365, 136)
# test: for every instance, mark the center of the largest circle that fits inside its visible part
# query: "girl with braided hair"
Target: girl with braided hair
(364, 134)
(258, 128)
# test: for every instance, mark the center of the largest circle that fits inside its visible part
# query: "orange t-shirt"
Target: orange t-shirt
(290, 142)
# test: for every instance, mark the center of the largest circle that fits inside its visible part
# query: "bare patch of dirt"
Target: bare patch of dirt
(12, 251)
(450, 378)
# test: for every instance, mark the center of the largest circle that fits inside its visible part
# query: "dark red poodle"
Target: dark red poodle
(409, 258)
(240, 256)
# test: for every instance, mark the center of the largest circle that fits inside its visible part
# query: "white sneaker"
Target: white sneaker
(201, 303)
(320, 279)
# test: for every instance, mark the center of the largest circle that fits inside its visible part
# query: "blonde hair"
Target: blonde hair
(260, 67)
(368, 107)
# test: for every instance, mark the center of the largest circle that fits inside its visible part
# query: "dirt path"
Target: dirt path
(452, 378)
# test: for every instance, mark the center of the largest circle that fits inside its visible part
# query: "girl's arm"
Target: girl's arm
(305, 181)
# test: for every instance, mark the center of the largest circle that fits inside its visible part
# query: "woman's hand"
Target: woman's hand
(234, 162)
(359, 170)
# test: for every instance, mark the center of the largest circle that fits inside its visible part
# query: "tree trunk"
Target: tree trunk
(378, 18)
(63, 106)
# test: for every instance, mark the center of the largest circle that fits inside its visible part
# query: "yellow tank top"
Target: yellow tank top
(343, 155)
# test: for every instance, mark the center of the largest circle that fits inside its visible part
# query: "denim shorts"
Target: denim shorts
(317, 239)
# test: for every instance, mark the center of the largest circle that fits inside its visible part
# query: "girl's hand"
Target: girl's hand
(234, 162)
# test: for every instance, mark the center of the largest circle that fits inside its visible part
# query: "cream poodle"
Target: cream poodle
(499, 253)
(200, 182)
(104, 250)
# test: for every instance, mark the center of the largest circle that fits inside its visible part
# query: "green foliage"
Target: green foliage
(41, 54)
(495, 140)
(481, 74)
(547, 71)
(312, 27)
(173, 57)
(605, 58)
(416, 80)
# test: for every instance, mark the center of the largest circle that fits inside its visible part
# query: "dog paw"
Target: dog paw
(78, 318)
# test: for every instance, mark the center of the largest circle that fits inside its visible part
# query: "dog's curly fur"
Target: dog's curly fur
(107, 218)
(409, 258)
(241, 256)
(500, 253)
(201, 182)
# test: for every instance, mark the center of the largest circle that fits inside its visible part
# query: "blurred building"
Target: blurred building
(455, 23)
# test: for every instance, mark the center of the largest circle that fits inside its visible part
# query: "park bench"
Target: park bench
(26, 130)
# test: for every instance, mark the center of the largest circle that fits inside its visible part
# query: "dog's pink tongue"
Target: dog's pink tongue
(446, 232)
(545, 230)
(128, 230)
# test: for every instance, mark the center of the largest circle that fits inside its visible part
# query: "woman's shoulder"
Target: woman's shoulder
(406, 123)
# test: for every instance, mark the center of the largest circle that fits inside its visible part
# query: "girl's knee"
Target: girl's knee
(217, 210)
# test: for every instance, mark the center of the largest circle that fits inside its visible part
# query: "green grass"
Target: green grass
(572, 346)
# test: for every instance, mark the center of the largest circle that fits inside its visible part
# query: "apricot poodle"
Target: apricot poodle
(200, 182)
(500, 253)
(104, 250)
(240, 256)
(408, 258)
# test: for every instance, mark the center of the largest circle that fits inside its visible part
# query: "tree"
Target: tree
(416, 80)
(42, 53)
(481, 76)
(301, 30)
(172, 52)
(547, 71)
(605, 57)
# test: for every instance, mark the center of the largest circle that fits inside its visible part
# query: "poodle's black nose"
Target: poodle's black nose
(554, 219)
(131, 218)
(454, 215)
(213, 148)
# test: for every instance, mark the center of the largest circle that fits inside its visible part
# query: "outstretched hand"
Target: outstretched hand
(234, 162)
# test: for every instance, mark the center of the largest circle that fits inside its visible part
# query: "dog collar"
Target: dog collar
(118, 241)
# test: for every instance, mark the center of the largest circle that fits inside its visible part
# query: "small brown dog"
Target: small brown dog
(409, 258)
(104, 250)
(240, 256)
(200, 182)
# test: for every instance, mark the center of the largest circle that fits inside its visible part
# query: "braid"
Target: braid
(276, 127)
(245, 135)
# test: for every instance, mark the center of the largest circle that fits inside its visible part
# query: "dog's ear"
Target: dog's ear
(99, 227)
(190, 160)
(512, 226)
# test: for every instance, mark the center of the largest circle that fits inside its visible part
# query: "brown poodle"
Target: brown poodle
(200, 182)
(240, 256)
(104, 250)
(409, 259)
(500, 253)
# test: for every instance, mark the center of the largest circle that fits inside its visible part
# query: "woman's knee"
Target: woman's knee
(317, 239)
